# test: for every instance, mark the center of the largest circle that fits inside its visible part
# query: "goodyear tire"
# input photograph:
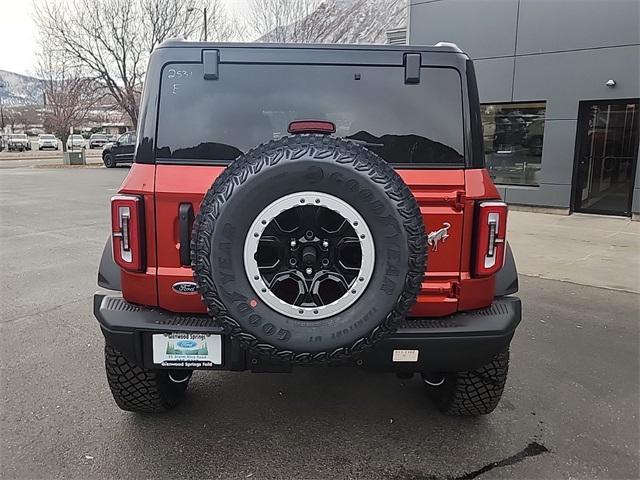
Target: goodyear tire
(137, 389)
(472, 393)
(350, 243)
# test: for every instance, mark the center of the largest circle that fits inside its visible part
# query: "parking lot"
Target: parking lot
(570, 409)
(37, 157)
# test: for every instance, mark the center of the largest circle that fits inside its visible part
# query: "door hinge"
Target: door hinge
(458, 202)
(454, 291)
(450, 289)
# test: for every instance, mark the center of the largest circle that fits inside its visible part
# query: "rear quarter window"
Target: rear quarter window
(218, 120)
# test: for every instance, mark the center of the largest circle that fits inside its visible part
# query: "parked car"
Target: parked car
(97, 140)
(308, 248)
(18, 142)
(120, 151)
(47, 140)
(75, 141)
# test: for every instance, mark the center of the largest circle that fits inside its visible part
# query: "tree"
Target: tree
(282, 21)
(24, 116)
(111, 39)
(68, 95)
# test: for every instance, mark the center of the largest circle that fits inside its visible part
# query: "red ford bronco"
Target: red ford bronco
(308, 205)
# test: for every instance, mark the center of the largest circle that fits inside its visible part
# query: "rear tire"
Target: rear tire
(137, 389)
(471, 393)
(108, 160)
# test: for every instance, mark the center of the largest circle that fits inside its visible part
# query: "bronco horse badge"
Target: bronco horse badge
(438, 236)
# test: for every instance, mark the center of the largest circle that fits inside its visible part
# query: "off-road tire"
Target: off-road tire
(137, 389)
(108, 160)
(472, 393)
(287, 156)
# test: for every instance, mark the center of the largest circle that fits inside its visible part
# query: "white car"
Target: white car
(46, 140)
(75, 141)
(18, 141)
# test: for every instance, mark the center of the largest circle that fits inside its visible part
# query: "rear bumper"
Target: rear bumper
(462, 341)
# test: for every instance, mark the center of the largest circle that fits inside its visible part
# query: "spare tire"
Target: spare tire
(309, 249)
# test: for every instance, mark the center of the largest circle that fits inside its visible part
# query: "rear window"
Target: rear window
(218, 120)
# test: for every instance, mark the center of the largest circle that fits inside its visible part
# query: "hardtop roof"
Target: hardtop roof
(441, 47)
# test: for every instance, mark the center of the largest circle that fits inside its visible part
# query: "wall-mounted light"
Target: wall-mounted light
(610, 83)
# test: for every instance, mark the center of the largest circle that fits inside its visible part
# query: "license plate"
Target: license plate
(187, 350)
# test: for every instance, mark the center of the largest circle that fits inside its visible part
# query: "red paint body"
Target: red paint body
(443, 195)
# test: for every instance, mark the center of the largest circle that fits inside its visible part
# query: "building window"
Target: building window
(513, 134)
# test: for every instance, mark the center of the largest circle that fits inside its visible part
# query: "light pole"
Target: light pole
(204, 13)
(2, 86)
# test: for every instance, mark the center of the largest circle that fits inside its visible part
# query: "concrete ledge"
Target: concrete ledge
(536, 209)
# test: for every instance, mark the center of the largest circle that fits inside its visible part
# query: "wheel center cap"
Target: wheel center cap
(309, 255)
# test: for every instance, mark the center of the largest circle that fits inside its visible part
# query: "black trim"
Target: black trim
(109, 272)
(226, 163)
(475, 159)
(185, 222)
(210, 60)
(412, 69)
(507, 276)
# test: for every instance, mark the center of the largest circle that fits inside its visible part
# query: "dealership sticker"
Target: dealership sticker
(187, 350)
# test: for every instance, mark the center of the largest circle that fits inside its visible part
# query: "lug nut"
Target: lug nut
(309, 234)
(325, 244)
(309, 270)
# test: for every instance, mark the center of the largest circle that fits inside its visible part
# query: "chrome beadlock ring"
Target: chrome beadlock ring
(317, 199)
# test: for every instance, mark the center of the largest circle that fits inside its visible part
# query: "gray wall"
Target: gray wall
(559, 51)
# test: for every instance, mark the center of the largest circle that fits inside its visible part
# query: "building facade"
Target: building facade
(559, 84)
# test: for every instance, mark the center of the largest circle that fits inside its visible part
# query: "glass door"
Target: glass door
(607, 156)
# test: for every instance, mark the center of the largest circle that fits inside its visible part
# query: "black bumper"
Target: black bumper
(462, 341)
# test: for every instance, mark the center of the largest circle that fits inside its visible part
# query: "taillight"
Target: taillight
(127, 232)
(490, 237)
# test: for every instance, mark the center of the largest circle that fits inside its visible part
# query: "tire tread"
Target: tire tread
(137, 389)
(329, 149)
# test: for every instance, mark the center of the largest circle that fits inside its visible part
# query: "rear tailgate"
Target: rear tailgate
(439, 194)
(177, 185)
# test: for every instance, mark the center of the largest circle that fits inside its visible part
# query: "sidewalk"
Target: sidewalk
(592, 250)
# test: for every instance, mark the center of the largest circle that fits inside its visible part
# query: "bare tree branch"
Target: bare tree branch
(68, 95)
(112, 39)
(283, 20)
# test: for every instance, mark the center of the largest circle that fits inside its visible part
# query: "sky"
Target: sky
(19, 34)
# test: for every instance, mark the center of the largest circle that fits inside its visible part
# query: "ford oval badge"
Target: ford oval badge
(185, 288)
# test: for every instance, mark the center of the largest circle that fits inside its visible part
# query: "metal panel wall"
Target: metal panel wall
(511, 41)
(483, 29)
(553, 25)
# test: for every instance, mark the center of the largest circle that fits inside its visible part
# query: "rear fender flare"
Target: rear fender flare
(109, 272)
(507, 276)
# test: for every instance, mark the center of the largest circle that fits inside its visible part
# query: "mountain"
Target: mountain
(16, 89)
(346, 21)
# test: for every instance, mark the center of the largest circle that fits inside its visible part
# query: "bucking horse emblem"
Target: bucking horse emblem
(438, 236)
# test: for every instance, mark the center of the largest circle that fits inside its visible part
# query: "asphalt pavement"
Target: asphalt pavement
(570, 409)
